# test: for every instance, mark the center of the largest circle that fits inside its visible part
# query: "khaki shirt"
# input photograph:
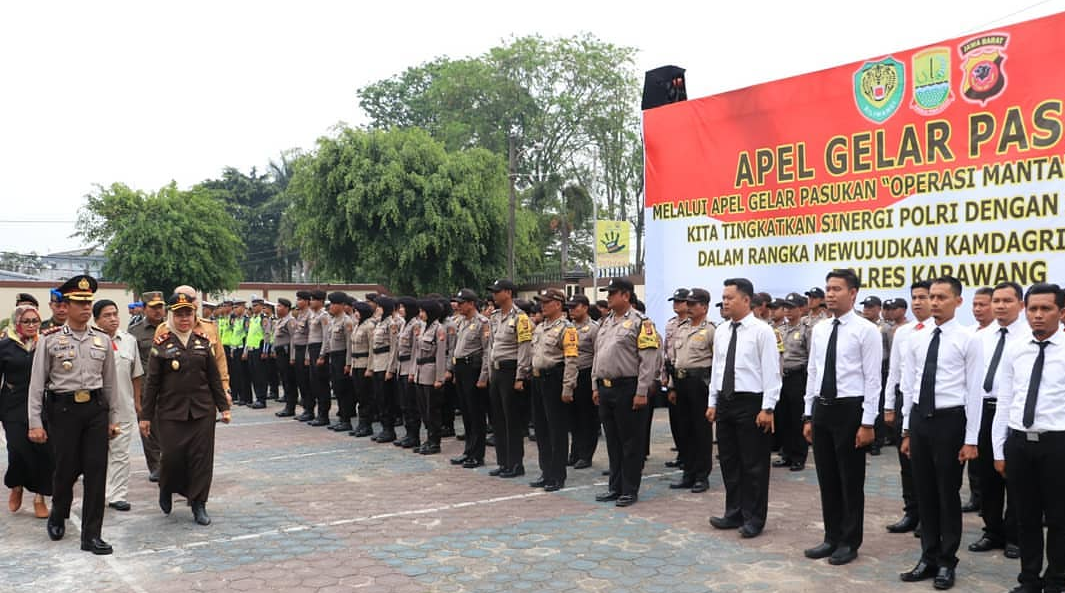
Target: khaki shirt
(511, 340)
(66, 360)
(692, 346)
(473, 337)
(318, 326)
(627, 346)
(796, 346)
(430, 353)
(667, 349)
(586, 333)
(411, 332)
(301, 329)
(359, 351)
(338, 337)
(554, 343)
(384, 344)
(283, 331)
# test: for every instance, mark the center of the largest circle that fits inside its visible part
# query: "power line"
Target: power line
(1004, 17)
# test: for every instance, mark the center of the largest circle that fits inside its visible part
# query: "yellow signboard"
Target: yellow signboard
(612, 243)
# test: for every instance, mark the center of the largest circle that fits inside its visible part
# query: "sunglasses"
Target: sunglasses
(30, 321)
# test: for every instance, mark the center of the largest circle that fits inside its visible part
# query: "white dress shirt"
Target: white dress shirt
(127, 367)
(959, 363)
(859, 356)
(1018, 330)
(1011, 386)
(757, 360)
(898, 360)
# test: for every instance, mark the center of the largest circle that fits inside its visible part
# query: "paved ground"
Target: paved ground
(303, 509)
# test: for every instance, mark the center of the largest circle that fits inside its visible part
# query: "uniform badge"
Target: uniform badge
(63, 341)
(796, 336)
(96, 341)
(627, 324)
(175, 365)
(983, 75)
(931, 81)
(648, 338)
(67, 365)
(878, 89)
(196, 342)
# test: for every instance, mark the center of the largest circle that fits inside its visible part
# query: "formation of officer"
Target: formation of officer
(554, 378)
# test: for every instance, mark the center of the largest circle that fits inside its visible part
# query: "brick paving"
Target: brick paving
(304, 509)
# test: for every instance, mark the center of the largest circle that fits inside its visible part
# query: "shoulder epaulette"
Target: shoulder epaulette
(162, 338)
(201, 335)
(51, 330)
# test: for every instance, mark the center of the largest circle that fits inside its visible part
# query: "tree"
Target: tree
(394, 206)
(157, 241)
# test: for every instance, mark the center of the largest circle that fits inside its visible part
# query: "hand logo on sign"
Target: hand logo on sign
(611, 242)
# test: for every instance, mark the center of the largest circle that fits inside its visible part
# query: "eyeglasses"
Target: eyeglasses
(31, 322)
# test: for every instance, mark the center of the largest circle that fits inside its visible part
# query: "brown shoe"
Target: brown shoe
(14, 501)
(40, 508)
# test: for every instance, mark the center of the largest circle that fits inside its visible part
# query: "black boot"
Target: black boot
(199, 513)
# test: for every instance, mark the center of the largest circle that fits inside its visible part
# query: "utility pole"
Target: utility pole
(512, 172)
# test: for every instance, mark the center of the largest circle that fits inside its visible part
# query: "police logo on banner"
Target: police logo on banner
(931, 81)
(983, 75)
(878, 88)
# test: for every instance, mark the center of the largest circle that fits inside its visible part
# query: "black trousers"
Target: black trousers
(319, 377)
(362, 387)
(788, 417)
(1000, 522)
(273, 375)
(238, 375)
(840, 470)
(474, 406)
(626, 432)
(551, 417)
(342, 387)
(408, 403)
(694, 429)
(510, 409)
(675, 430)
(743, 451)
(934, 446)
(1036, 483)
(384, 392)
(584, 419)
(257, 374)
(909, 495)
(430, 403)
(302, 380)
(451, 403)
(286, 375)
(79, 435)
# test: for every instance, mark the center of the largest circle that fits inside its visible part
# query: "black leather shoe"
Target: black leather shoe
(970, 507)
(674, 463)
(538, 482)
(497, 471)
(748, 531)
(318, 422)
(554, 486)
(342, 426)
(258, 405)
(459, 460)
(153, 476)
(472, 463)
(429, 449)
(238, 402)
(874, 450)
(461, 437)
(608, 496)
(725, 523)
(284, 414)
(985, 544)
(842, 555)
(922, 572)
(97, 546)
(406, 442)
(57, 528)
(700, 486)
(904, 525)
(582, 464)
(1027, 589)
(944, 578)
(1012, 551)
(626, 500)
(782, 462)
(362, 430)
(571, 462)
(917, 531)
(385, 437)
(305, 417)
(824, 550)
(683, 484)
(797, 466)
(490, 440)
(513, 473)
(199, 513)
(447, 432)
(166, 501)
(119, 505)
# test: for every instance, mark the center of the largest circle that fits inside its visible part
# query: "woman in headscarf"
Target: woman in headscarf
(408, 399)
(29, 465)
(430, 369)
(183, 391)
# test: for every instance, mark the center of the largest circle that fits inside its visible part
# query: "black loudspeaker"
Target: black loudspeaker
(663, 86)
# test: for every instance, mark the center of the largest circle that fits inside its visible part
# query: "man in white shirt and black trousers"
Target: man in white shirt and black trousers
(842, 403)
(744, 390)
(1000, 524)
(1028, 438)
(941, 410)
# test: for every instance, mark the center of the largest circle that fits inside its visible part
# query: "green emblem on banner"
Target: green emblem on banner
(931, 81)
(878, 89)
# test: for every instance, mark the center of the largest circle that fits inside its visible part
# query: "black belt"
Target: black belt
(839, 401)
(505, 365)
(360, 355)
(1035, 437)
(426, 360)
(788, 373)
(382, 349)
(404, 357)
(692, 373)
(608, 383)
(947, 411)
(558, 368)
(80, 396)
(739, 394)
(991, 401)
(472, 360)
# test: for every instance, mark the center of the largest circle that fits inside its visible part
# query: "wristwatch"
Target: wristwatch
(806, 419)
(768, 410)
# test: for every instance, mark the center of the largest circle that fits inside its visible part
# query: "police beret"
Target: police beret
(698, 295)
(815, 293)
(794, 299)
(872, 301)
(551, 294)
(503, 284)
(681, 294)
(465, 295)
(318, 295)
(578, 299)
(285, 302)
(303, 294)
(338, 297)
(618, 284)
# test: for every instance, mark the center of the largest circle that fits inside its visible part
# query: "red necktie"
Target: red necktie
(920, 325)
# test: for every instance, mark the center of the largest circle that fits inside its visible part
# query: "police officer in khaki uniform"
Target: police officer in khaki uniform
(406, 393)
(336, 349)
(301, 329)
(692, 352)
(362, 384)
(554, 370)
(73, 383)
(623, 373)
(468, 368)
(280, 352)
(429, 371)
(790, 409)
(382, 368)
(680, 308)
(585, 416)
(511, 359)
(317, 364)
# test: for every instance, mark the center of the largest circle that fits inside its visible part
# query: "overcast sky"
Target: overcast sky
(148, 92)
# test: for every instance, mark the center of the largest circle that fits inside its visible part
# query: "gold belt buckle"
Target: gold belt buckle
(536, 372)
(81, 396)
(607, 383)
(682, 374)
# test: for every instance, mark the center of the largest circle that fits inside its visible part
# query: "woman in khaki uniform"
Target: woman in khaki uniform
(183, 391)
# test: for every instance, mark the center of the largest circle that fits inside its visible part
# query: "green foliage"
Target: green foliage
(396, 207)
(157, 241)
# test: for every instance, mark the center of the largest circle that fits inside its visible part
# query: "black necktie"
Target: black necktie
(728, 382)
(926, 406)
(989, 379)
(1033, 386)
(829, 389)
